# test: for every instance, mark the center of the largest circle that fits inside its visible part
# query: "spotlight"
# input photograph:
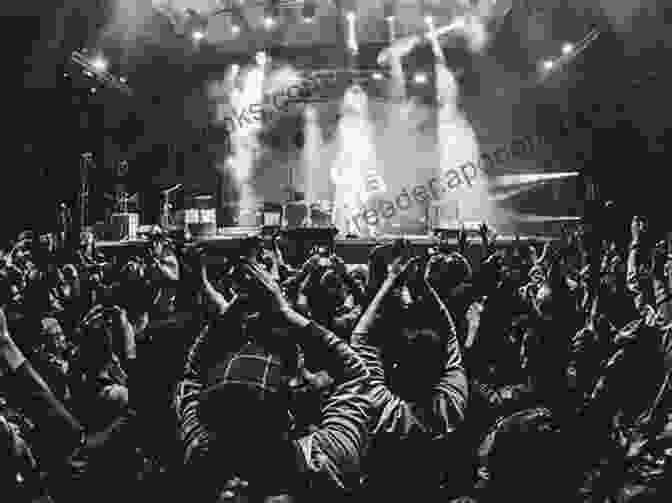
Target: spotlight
(377, 76)
(420, 78)
(235, 29)
(271, 12)
(93, 90)
(195, 24)
(548, 64)
(88, 73)
(567, 48)
(261, 58)
(235, 68)
(66, 75)
(429, 20)
(308, 12)
(99, 64)
(388, 11)
(350, 16)
(123, 80)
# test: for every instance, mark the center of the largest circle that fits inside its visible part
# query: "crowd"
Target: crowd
(535, 375)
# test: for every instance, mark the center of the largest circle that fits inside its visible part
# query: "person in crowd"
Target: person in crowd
(419, 387)
(304, 384)
(252, 379)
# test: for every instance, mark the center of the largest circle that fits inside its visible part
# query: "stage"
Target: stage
(351, 250)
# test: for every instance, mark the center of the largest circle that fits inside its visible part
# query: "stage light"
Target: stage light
(261, 58)
(308, 12)
(548, 64)
(235, 68)
(377, 76)
(88, 73)
(123, 80)
(388, 11)
(235, 29)
(420, 78)
(350, 16)
(567, 48)
(198, 35)
(429, 20)
(66, 75)
(271, 12)
(93, 90)
(99, 64)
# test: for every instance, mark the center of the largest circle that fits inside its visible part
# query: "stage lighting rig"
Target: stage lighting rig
(308, 11)
(94, 69)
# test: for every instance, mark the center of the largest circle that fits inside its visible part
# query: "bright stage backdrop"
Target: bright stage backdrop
(485, 165)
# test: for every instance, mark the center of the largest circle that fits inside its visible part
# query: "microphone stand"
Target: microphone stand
(85, 165)
(166, 218)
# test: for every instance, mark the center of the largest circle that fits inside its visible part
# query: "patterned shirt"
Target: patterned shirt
(330, 456)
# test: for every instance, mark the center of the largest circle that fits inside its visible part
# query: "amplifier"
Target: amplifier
(124, 226)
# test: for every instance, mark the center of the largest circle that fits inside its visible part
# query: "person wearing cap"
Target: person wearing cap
(234, 401)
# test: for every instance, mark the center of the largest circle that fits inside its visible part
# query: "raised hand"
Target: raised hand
(637, 228)
(10, 354)
(267, 288)
(271, 293)
(399, 269)
(339, 265)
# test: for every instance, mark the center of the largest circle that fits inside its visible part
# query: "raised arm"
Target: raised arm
(635, 278)
(213, 295)
(29, 391)
(167, 267)
(336, 448)
(452, 390)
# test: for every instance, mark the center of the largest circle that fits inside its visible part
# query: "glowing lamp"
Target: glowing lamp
(308, 12)
(388, 11)
(99, 64)
(420, 78)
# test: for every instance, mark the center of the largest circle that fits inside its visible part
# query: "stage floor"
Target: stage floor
(351, 250)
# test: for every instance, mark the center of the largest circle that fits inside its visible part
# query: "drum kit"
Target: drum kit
(199, 214)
